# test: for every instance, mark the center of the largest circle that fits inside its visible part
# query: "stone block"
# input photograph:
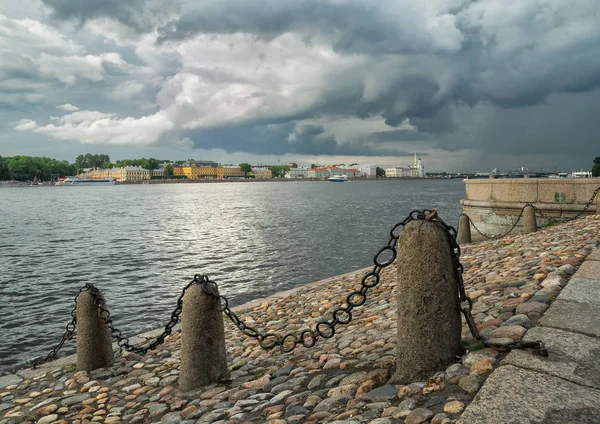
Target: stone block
(515, 395)
(478, 190)
(582, 290)
(203, 352)
(514, 191)
(595, 255)
(588, 269)
(572, 356)
(556, 192)
(573, 316)
(94, 345)
(429, 326)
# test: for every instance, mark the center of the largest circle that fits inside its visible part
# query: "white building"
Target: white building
(420, 169)
(367, 171)
(395, 172)
(297, 173)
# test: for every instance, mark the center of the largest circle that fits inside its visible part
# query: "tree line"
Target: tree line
(32, 168)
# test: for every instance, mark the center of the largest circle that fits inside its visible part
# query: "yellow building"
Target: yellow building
(232, 171)
(262, 173)
(199, 170)
(126, 173)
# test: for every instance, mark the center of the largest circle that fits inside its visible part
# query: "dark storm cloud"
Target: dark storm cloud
(477, 74)
(279, 139)
(140, 15)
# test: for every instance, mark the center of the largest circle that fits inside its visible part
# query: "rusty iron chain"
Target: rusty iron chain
(550, 220)
(497, 236)
(343, 315)
(67, 335)
(324, 329)
(104, 313)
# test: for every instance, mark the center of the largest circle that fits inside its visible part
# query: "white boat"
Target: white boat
(75, 181)
(338, 178)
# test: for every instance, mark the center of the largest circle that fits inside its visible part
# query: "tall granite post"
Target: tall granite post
(94, 346)
(429, 325)
(203, 355)
(464, 230)
(529, 220)
(598, 204)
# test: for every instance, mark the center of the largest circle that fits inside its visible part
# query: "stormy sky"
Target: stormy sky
(468, 85)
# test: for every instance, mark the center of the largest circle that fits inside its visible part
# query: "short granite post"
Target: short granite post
(203, 355)
(464, 230)
(429, 326)
(94, 345)
(529, 221)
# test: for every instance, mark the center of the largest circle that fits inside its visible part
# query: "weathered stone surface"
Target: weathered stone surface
(529, 307)
(549, 400)
(428, 313)
(522, 320)
(514, 332)
(529, 220)
(94, 345)
(9, 380)
(589, 269)
(203, 355)
(580, 317)
(418, 416)
(582, 290)
(594, 256)
(464, 230)
(573, 356)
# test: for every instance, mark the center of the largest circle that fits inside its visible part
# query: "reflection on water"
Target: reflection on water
(142, 244)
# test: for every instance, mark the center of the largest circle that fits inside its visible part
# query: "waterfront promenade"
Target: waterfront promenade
(349, 378)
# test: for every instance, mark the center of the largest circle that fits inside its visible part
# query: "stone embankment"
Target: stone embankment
(348, 378)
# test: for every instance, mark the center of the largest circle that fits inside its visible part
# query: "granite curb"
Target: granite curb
(563, 387)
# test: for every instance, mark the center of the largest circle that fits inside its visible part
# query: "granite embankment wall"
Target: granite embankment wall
(494, 204)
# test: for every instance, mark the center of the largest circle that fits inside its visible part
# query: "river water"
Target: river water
(141, 244)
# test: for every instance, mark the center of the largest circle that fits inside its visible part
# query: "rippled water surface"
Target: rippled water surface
(141, 244)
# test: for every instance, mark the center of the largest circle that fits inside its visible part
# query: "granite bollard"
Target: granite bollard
(94, 346)
(203, 355)
(464, 230)
(529, 220)
(429, 326)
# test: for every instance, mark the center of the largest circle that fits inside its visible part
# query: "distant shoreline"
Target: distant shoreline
(8, 184)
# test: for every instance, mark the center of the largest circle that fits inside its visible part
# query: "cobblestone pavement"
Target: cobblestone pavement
(348, 378)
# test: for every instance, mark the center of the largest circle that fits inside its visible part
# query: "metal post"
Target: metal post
(94, 346)
(464, 230)
(429, 326)
(203, 355)
(529, 220)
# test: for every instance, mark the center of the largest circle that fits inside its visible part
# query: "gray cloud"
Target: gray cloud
(465, 74)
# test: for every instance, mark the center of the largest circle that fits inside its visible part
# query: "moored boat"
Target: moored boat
(338, 178)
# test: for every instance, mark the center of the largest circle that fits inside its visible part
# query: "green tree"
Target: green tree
(279, 171)
(107, 165)
(380, 172)
(168, 171)
(596, 168)
(245, 168)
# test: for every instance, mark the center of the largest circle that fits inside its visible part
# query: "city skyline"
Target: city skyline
(470, 86)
